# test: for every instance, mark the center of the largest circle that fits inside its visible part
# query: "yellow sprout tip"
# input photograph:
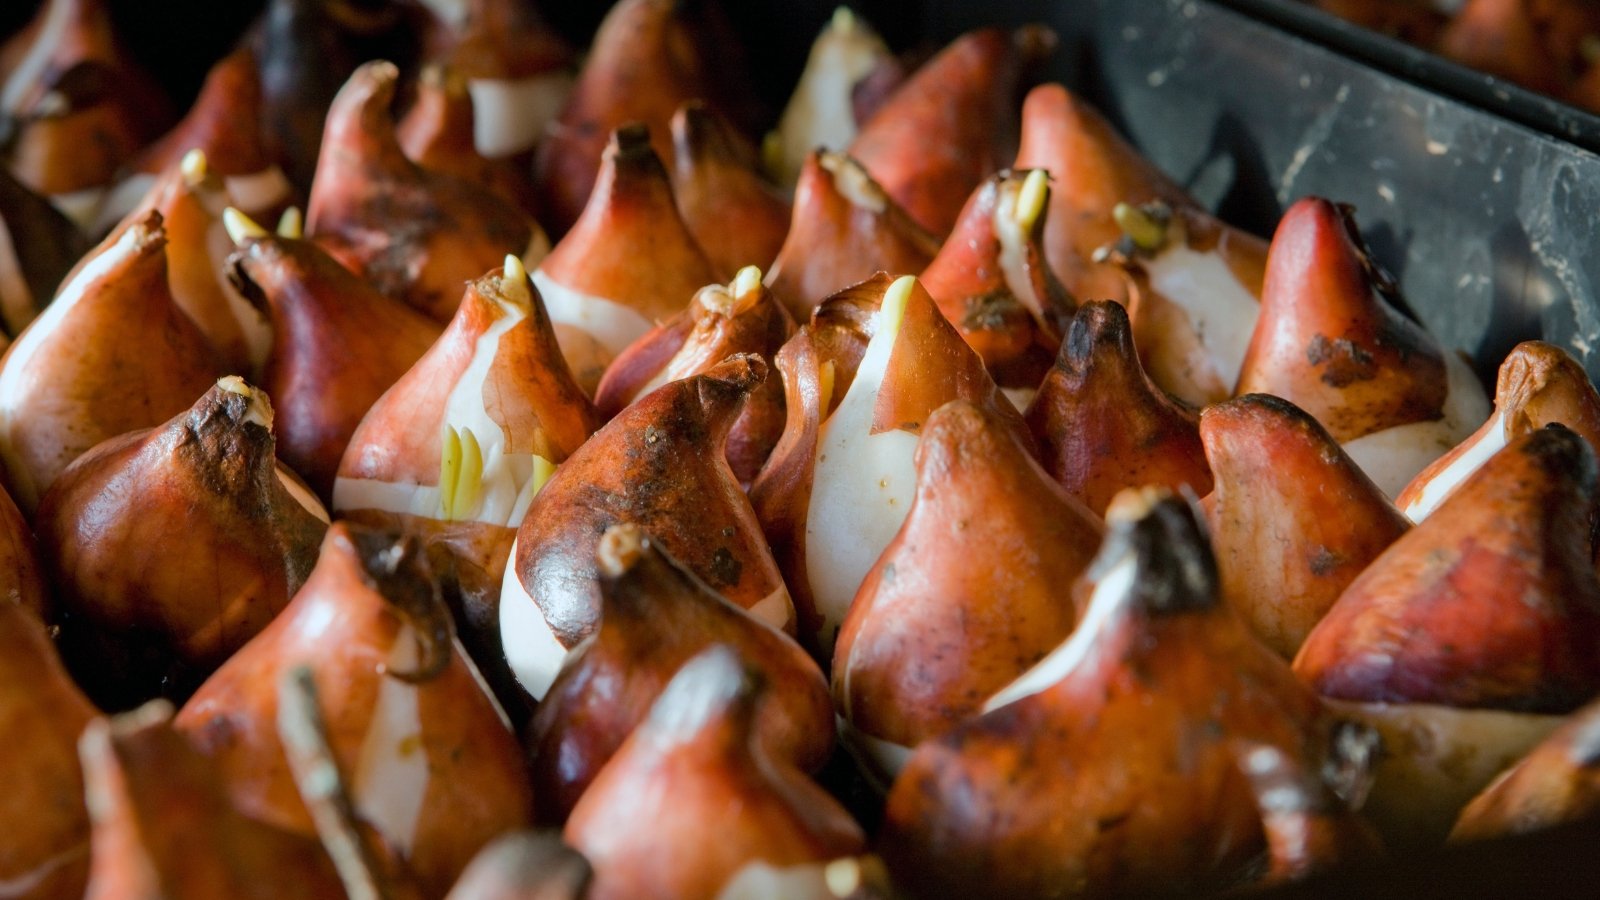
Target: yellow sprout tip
(241, 227)
(193, 167)
(292, 223)
(893, 310)
(1031, 199)
(449, 470)
(748, 280)
(469, 482)
(1146, 231)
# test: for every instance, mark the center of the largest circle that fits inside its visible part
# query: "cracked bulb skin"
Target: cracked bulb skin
(991, 281)
(1293, 520)
(627, 263)
(1329, 341)
(1102, 425)
(935, 631)
(662, 465)
(1194, 294)
(721, 321)
(171, 547)
(1472, 636)
(456, 230)
(953, 122)
(1122, 764)
(844, 228)
(655, 616)
(339, 346)
(456, 450)
(46, 825)
(432, 764)
(112, 354)
(697, 758)
(859, 383)
(164, 827)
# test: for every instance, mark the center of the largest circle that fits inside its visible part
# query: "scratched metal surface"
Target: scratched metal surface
(1490, 226)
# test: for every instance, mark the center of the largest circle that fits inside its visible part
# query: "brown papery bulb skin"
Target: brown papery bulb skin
(433, 766)
(224, 123)
(170, 548)
(1102, 425)
(721, 321)
(338, 346)
(661, 465)
(696, 759)
(655, 616)
(1490, 603)
(88, 108)
(631, 248)
(415, 234)
(969, 594)
(953, 123)
(436, 133)
(844, 229)
(649, 58)
(992, 282)
(163, 825)
(1293, 520)
(42, 813)
(1117, 766)
(1328, 341)
(734, 214)
(114, 354)
(1092, 169)
(1556, 783)
(22, 582)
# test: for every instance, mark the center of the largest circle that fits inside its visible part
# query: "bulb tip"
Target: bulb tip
(844, 19)
(894, 303)
(748, 280)
(1032, 197)
(514, 281)
(620, 548)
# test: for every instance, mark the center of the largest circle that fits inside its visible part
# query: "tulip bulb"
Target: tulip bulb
(224, 537)
(42, 814)
(1329, 341)
(365, 184)
(952, 123)
(823, 110)
(225, 125)
(1113, 767)
(1554, 784)
(627, 263)
(991, 281)
(660, 464)
(734, 215)
(1472, 634)
(1092, 170)
(339, 344)
(838, 486)
(696, 759)
(437, 134)
(1102, 425)
(844, 228)
(430, 759)
(722, 320)
(935, 630)
(654, 617)
(84, 371)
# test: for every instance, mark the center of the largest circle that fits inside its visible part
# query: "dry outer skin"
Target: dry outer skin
(415, 234)
(1102, 425)
(369, 592)
(967, 96)
(1490, 603)
(733, 213)
(1293, 520)
(1329, 341)
(42, 713)
(655, 617)
(937, 629)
